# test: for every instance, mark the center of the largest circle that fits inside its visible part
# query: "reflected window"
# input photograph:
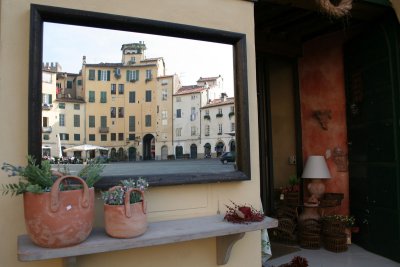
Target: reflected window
(77, 121)
(103, 97)
(113, 112)
(113, 89)
(148, 120)
(178, 132)
(207, 130)
(132, 97)
(148, 95)
(132, 123)
(103, 75)
(92, 74)
(91, 96)
(120, 89)
(62, 120)
(92, 122)
(164, 95)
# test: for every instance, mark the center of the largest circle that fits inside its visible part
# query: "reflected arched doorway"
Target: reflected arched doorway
(178, 152)
(207, 150)
(193, 151)
(132, 153)
(219, 148)
(113, 154)
(164, 152)
(232, 146)
(121, 154)
(148, 147)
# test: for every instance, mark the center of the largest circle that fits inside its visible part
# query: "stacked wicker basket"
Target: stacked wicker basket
(310, 234)
(334, 237)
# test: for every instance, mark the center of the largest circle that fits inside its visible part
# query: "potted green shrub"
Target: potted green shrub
(58, 212)
(125, 209)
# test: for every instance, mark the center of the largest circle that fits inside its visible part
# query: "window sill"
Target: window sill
(158, 233)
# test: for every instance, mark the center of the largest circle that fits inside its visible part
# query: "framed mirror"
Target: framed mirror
(148, 145)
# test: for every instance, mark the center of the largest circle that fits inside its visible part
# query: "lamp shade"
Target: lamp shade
(316, 168)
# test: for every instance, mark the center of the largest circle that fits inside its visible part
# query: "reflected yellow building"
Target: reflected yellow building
(127, 105)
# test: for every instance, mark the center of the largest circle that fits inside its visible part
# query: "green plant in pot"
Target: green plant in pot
(125, 209)
(58, 208)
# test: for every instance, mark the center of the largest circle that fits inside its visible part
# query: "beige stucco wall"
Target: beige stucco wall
(164, 203)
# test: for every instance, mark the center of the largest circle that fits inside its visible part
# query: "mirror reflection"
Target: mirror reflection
(123, 97)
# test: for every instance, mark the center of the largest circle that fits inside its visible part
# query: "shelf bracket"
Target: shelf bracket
(224, 246)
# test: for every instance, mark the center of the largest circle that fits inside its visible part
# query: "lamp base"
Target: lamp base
(309, 213)
(316, 189)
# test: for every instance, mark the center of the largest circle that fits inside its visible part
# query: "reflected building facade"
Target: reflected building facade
(135, 110)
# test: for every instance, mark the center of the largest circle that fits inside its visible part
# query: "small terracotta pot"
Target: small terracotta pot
(59, 218)
(128, 220)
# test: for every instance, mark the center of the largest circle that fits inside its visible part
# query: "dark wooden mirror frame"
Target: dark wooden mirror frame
(40, 14)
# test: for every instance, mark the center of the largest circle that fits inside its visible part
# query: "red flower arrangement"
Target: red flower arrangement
(243, 214)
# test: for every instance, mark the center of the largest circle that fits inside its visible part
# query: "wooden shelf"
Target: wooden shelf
(158, 233)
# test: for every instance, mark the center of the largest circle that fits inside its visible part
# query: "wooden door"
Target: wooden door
(372, 91)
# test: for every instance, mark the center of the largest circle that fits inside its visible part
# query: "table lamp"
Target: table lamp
(316, 169)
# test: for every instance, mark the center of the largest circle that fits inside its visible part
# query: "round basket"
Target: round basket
(310, 226)
(309, 241)
(335, 243)
(286, 225)
(333, 228)
(287, 212)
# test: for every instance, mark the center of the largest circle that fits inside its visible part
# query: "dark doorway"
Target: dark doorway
(179, 152)
(372, 65)
(132, 154)
(193, 151)
(148, 147)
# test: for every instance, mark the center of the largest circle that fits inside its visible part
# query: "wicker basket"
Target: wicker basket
(335, 243)
(310, 226)
(333, 228)
(286, 225)
(309, 241)
(287, 212)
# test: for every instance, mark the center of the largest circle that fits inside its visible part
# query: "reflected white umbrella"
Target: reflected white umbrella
(85, 147)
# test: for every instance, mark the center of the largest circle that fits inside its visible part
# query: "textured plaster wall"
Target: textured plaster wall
(167, 202)
(321, 77)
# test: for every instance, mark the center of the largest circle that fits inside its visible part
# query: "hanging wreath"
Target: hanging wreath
(340, 10)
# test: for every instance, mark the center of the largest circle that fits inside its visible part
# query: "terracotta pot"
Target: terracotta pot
(59, 218)
(128, 220)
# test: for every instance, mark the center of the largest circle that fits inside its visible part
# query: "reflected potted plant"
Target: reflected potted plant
(58, 208)
(125, 209)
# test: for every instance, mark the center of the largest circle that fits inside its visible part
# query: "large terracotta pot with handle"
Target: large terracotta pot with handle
(128, 220)
(59, 218)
